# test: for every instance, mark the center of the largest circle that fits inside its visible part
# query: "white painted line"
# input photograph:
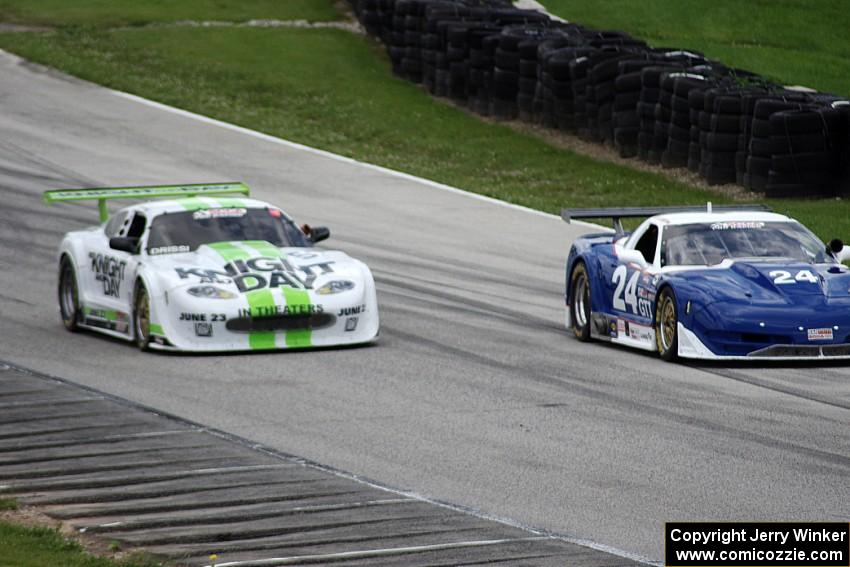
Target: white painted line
(346, 505)
(337, 157)
(370, 553)
(152, 434)
(582, 542)
(537, 6)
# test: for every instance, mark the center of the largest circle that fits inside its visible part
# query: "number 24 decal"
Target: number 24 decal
(638, 306)
(781, 277)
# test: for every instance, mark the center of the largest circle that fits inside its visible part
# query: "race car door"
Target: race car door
(631, 287)
(111, 274)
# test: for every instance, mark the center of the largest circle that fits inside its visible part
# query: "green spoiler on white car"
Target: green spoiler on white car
(103, 194)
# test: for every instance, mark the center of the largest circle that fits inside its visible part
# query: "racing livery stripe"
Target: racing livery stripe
(257, 300)
(263, 247)
(260, 301)
(230, 203)
(301, 337)
(196, 203)
(294, 338)
(229, 251)
(156, 329)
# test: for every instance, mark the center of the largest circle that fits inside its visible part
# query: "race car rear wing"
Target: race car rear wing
(617, 213)
(103, 194)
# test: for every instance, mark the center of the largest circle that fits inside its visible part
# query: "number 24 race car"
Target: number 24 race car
(204, 272)
(728, 283)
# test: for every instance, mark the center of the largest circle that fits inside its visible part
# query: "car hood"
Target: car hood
(771, 283)
(242, 267)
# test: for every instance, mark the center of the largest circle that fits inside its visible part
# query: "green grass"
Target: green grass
(42, 547)
(130, 13)
(8, 504)
(334, 90)
(796, 42)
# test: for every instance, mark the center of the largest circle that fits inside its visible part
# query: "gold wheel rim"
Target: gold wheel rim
(69, 295)
(143, 317)
(582, 301)
(667, 322)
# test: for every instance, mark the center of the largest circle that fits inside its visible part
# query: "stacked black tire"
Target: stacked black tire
(664, 106)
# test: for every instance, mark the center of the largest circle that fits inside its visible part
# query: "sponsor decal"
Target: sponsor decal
(346, 311)
(175, 249)
(820, 334)
(351, 324)
(206, 276)
(193, 317)
(644, 293)
(261, 273)
(108, 270)
(107, 319)
(737, 225)
(641, 334)
(231, 213)
(203, 329)
(122, 323)
(271, 310)
(612, 329)
(264, 272)
(621, 327)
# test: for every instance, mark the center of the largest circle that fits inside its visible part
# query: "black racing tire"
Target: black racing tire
(667, 325)
(69, 295)
(580, 302)
(727, 104)
(680, 104)
(626, 119)
(141, 317)
(720, 142)
(725, 123)
(802, 162)
(628, 82)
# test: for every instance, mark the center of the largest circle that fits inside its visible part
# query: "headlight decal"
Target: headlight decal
(336, 286)
(210, 292)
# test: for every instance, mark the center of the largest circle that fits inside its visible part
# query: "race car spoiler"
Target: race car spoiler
(103, 194)
(617, 213)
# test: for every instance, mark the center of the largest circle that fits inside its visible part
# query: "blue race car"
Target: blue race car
(721, 283)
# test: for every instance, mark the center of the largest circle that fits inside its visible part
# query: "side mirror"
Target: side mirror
(319, 233)
(124, 243)
(838, 250)
(629, 256)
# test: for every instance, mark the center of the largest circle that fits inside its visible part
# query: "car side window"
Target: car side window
(137, 226)
(115, 224)
(647, 245)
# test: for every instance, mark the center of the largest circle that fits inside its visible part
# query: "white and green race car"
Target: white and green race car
(201, 271)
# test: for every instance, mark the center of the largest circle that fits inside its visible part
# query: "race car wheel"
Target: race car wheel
(142, 316)
(69, 299)
(580, 302)
(667, 325)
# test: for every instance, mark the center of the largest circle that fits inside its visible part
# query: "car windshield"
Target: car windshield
(711, 243)
(186, 231)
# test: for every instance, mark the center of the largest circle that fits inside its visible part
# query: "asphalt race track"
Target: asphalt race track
(475, 394)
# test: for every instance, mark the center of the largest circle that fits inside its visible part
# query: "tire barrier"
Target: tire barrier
(665, 106)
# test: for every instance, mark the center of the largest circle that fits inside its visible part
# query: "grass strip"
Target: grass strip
(798, 43)
(334, 90)
(38, 547)
(134, 13)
